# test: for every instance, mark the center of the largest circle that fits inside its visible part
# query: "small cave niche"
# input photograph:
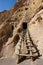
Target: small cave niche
(33, 2)
(10, 33)
(24, 25)
(12, 27)
(20, 15)
(19, 10)
(26, 8)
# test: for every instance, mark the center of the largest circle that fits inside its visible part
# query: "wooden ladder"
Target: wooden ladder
(29, 47)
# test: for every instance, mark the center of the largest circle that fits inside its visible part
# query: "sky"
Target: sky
(6, 4)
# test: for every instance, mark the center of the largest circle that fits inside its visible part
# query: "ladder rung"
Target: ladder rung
(27, 55)
(27, 38)
(25, 49)
(29, 49)
(28, 41)
(30, 45)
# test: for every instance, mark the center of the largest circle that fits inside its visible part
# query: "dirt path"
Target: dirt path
(26, 62)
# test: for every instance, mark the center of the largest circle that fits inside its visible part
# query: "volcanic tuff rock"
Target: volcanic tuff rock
(30, 11)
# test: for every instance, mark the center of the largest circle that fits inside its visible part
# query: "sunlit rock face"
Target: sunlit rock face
(36, 29)
(30, 11)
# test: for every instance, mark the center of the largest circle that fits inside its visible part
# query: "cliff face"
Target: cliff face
(7, 14)
(11, 25)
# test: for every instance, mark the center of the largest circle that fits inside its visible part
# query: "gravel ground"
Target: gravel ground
(25, 62)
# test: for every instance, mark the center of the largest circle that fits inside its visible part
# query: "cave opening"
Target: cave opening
(24, 25)
(12, 27)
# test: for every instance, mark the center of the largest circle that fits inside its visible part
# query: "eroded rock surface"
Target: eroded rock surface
(30, 11)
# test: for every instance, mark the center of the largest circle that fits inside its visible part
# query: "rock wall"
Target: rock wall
(11, 25)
